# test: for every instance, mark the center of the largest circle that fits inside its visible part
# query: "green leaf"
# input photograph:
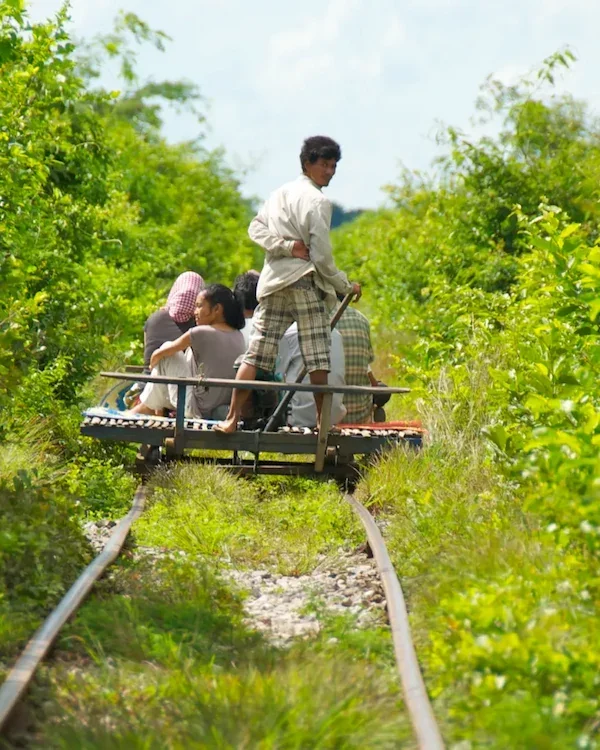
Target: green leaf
(593, 271)
(568, 230)
(540, 382)
(594, 309)
(543, 244)
(497, 435)
(549, 437)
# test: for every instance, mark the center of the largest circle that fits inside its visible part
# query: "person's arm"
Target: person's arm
(169, 348)
(276, 246)
(321, 254)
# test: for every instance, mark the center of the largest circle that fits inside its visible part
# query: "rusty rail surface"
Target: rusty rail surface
(22, 672)
(415, 695)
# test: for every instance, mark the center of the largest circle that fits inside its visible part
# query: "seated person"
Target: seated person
(208, 350)
(358, 352)
(244, 289)
(261, 404)
(290, 363)
(176, 317)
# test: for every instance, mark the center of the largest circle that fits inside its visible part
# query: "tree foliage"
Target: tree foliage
(493, 270)
(489, 283)
(98, 213)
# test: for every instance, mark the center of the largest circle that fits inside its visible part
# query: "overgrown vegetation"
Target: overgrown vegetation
(165, 653)
(275, 522)
(496, 526)
(98, 215)
(484, 293)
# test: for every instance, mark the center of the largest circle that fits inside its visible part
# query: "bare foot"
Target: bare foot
(228, 426)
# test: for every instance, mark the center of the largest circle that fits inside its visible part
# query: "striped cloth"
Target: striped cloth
(182, 297)
(302, 302)
(358, 353)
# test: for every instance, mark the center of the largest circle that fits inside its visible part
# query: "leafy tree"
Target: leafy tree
(98, 213)
(464, 229)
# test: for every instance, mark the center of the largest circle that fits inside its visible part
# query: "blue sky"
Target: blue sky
(379, 76)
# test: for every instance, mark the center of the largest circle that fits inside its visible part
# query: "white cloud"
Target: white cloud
(297, 57)
(394, 34)
(348, 44)
(548, 9)
(376, 75)
(315, 33)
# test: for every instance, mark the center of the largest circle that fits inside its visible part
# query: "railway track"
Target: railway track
(426, 730)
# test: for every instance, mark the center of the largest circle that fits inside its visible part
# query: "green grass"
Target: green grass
(503, 618)
(312, 704)
(282, 523)
(41, 544)
(161, 658)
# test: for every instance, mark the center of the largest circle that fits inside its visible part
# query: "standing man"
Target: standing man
(299, 279)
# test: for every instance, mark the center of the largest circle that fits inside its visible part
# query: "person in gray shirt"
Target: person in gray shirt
(209, 349)
(303, 410)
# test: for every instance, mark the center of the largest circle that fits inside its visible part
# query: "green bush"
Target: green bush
(492, 317)
(98, 213)
(42, 550)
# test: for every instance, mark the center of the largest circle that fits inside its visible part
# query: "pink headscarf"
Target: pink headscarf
(182, 297)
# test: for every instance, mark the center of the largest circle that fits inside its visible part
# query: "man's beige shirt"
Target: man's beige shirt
(297, 211)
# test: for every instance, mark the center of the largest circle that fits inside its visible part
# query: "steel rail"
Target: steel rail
(22, 672)
(415, 694)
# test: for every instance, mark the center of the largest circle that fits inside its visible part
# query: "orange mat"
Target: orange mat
(401, 424)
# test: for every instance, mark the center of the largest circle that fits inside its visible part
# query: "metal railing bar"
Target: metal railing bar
(251, 385)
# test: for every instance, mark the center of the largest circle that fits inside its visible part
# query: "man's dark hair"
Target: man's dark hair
(319, 147)
(219, 294)
(245, 290)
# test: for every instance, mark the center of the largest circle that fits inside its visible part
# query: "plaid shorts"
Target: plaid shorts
(301, 302)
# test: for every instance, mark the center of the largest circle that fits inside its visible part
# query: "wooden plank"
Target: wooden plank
(127, 434)
(323, 432)
(265, 442)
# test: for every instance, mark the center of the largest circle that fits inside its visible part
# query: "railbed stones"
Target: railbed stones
(286, 607)
(98, 533)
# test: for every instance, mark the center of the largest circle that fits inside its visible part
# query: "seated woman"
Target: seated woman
(212, 347)
(176, 317)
